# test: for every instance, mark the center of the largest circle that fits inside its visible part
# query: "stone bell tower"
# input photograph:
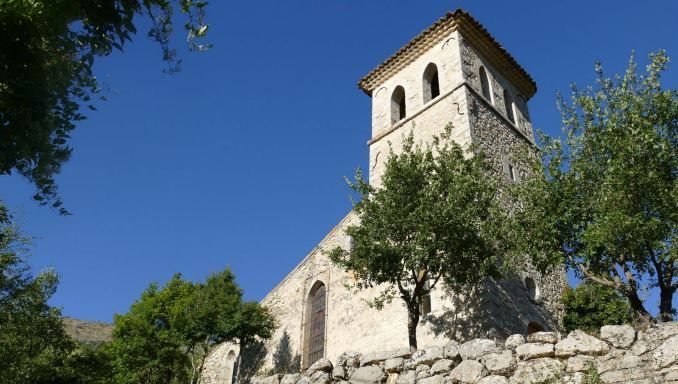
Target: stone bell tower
(454, 72)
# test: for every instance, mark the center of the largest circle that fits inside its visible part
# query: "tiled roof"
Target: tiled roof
(473, 31)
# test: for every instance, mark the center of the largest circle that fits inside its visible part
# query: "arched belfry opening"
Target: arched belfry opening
(485, 84)
(314, 328)
(431, 83)
(398, 107)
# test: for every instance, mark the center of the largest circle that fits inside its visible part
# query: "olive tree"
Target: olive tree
(604, 198)
(437, 216)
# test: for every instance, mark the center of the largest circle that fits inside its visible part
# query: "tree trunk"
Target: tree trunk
(666, 303)
(237, 371)
(640, 313)
(412, 322)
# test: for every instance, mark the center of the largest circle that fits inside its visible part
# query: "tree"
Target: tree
(590, 306)
(168, 332)
(604, 199)
(47, 52)
(34, 344)
(252, 323)
(436, 216)
(35, 347)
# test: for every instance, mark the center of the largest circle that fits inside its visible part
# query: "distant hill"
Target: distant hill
(88, 332)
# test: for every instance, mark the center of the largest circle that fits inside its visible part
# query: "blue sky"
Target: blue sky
(238, 160)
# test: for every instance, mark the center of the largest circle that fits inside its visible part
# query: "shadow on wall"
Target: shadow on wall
(252, 359)
(283, 360)
(493, 309)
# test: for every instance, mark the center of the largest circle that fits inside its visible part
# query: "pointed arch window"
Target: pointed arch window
(485, 84)
(398, 107)
(315, 326)
(431, 83)
(508, 104)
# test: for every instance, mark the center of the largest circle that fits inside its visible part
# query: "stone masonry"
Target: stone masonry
(619, 354)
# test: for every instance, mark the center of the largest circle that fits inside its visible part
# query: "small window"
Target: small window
(431, 83)
(398, 106)
(425, 302)
(534, 327)
(532, 290)
(511, 172)
(485, 84)
(508, 104)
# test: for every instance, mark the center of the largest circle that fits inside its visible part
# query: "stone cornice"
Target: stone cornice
(473, 32)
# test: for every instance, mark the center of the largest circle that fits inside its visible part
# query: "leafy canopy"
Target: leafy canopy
(47, 52)
(35, 347)
(436, 215)
(167, 333)
(604, 198)
(591, 306)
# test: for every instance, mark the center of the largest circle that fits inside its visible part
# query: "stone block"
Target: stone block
(579, 363)
(617, 359)
(580, 343)
(274, 379)
(451, 351)
(575, 378)
(290, 378)
(323, 365)
(620, 336)
(376, 358)
(666, 354)
(370, 374)
(494, 379)
(407, 377)
(468, 372)
(531, 351)
(514, 340)
(622, 375)
(537, 371)
(394, 364)
(338, 372)
(426, 356)
(543, 337)
(444, 365)
(500, 363)
(437, 379)
(349, 359)
(477, 348)
(320, 377)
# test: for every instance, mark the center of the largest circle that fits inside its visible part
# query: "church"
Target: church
(454, 72)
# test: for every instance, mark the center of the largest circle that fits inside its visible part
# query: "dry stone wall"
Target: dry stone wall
(618, 354)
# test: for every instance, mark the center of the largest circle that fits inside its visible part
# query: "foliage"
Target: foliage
(35, 347)
(47, 52)
(592, 375)
(436, 215)
(169, 331)
(604, 199)
(283, 361)
(590, 306)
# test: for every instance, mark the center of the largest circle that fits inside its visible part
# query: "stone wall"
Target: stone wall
(618, 354)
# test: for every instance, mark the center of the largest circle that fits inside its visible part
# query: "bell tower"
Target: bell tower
(454, 72)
